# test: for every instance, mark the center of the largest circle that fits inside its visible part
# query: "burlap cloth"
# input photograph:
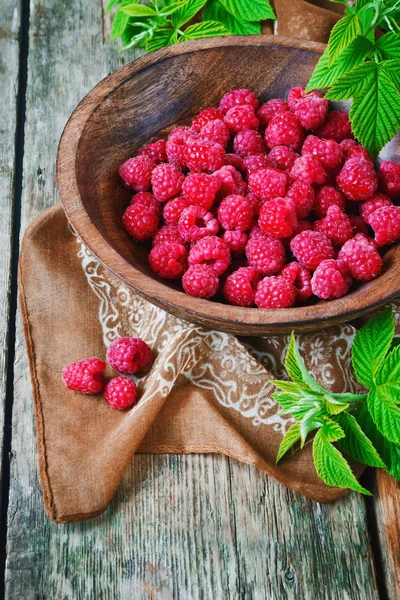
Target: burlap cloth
(207, 391)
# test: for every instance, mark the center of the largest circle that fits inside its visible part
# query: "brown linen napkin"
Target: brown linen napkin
(207, 391)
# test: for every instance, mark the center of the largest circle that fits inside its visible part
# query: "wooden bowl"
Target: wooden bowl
(147, 97)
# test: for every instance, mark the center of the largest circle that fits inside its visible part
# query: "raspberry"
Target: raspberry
(361, 257)
(200, 281)
(311, 110)
(275, 292)
(331, 279)
(336, 127)
(235, 212)
(357, 179)
(255, 162)
(234, 161)
(129, 355)
(235, 240)
(230, 180)
(173, 209)
(351, 149)
(140, 222)
(284, 130)
(308, 169)
(216, 132)
(302, 194)
(237, 98)
(168, 234)
(85, 376)
(302, 225)
(240, 287)
(195, 223)
(255, 203)
(358, 224)
(166, 181)
(368, 207)
(389, 178)
(176, 144)
(146, 199)
(120, 392)
(282, 157)
(205, 116)
(312, 247)
(386, 224)
(156, 151)
(278, 218)
(255, 230)
(137, 173)
(328, 196)
(336, 225)
(268, 183)
(168, 260)
(200, 189)
(328, 152)
(294, 95)
(241, 117)
(201, 155)
(211, 251)
(300, 277)
(265, 254)
(248, 143)
(270, 109)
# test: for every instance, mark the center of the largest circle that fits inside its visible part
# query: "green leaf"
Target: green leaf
(303, 407)
(291, 437)
(249, 10)
(296, 368)
(388, 45)
(371, 345)
(136, 40)
(214, 11)
(342, 34)
(332, 467)
(331, 430)
(384, 412)
(308, 423)
(286, 400)
(186, 12)
(391, 68)
(135, 34)
(160, 39)
(389, 371)
(111, 5)
(203, 30)
(139, 10)
(356, 443)
(334, 407)
(352, 83)
(120, 22)
(287, 386)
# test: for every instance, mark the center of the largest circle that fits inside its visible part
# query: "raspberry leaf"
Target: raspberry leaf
(186, 11)
(310, 421)
(342, 34)
(391, 68)
(120, 22)
(138, 10)
(388, 46)
(352, 83)
(334, 407)
(203, 30)
(286, 400)
(291, 437)
(384, 412)
(249, 10)
(111, 5)
(215, 11)
(296, 368)
(389, 371)
(356, 444)
(160, 39)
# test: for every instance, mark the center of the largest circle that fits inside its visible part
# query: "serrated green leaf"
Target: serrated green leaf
(160, 39)
(132, 33)
(296, 368)
(215, 11)
(342, 34)
(371, 345)
(186, 12)
(291, 437)
(304, 406)
(388, 45)
(111, 5)
(352, 83)
(391, 68)
(286, 400)
(333, 407)
(138, 40)
(331, 430)
(389, 370)
(249, 10)
(287, 386)
(356, 444)
(384, 412)
(203, 30)
(332, 467)
(309, 422)
(139, 10)
(119, 24)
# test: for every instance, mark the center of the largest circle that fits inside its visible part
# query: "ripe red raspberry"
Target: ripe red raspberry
(156, 151)
(328, 196)
(302, 225)
(137, 172)
(204, 156)
(255, 230)
(237, 98)
(216, 132)
(211, 251)
(278, 217)
(275, 292)
(312, 247)
(85, 376)
(241, 117)
(336, 127)
(205, 116)
(120, 392)
(195, 223)
(234, 161)
(351, 149)
(247, 143)
(302, 194)
(357, 179)
(200, 189)
(265, 254)
(270, 109)
(386, 225)
(240, 287)
(148, 200)
(368, 207)
(235, 212)
(284, 130)
(311, 110)
(300, 277)
(255, 203)
(167, 235)
(200, 281)
(294, 95)
(230, 180)
(336, 225)
(168, 260)
(362, 257)
(235, 240)
(331, 280)
(140, 222)
(176, 144)
(282, 157)
(129, 355)
(308, 169)
(256, 162)
(328, 152)
(268, 183)
(358, 224)
(389, 178)
(173, 210)
(166, 181)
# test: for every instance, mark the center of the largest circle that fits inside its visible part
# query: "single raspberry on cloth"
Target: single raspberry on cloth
(235, 212)
(201, 189)
(303, 195)
(195, 223)
(201, 155)
(200, 281)
(240, 286)
(300, 276)
(357, 179)
(336, 225)
(140, 221)
(362, 257)
(129, 355)
(275, 292)
(265, 254)
(85, 376)
(386, 225)
(156, 151)
(205, 116)
(284, 130)
(270, 109)
(211, 251)
(312, 247)
(278, 217)
(166, 181)
(328, 196)
(328, 152)
(268, 183)
(331, 279)
(240, 118)
(168, 260)
(336, 126)
(120, 392)
(389, 178)
(137, 172)
(237, 98)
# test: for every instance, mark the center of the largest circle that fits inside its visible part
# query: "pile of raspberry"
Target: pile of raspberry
(265, 205)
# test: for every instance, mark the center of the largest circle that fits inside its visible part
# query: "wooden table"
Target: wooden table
(180, 527)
